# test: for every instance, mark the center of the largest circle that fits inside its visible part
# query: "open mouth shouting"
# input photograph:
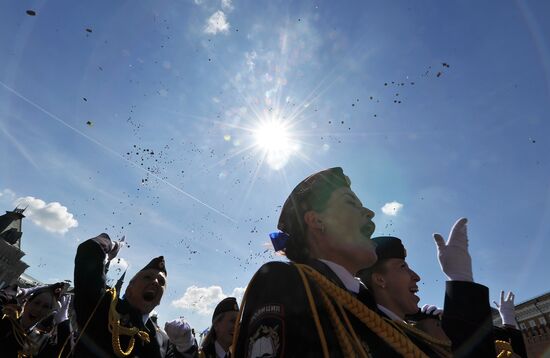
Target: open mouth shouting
(150, 295)
(414, 290)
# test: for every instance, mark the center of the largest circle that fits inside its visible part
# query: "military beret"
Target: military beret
(56, 290)
(157, 264)
(228, 304)
(389, 247)
(310, 194)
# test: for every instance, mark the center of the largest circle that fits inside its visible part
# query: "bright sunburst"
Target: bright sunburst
(273, 136)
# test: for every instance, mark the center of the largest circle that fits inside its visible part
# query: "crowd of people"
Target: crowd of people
(341, 293)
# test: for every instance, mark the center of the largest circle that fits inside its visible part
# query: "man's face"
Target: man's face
(224, 328)
(38, 308)
(400, 287)
(145, 290)
(348, 226)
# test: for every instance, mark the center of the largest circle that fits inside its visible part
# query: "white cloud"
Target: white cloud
(227, 5)
(53, 216)
(217, 23)
(7, 193)
(203, 300)
(392, 208)
(238, 293)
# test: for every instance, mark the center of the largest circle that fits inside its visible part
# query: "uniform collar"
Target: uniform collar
(351, 283)
(389, 313)
(145, 318)
(220, 353)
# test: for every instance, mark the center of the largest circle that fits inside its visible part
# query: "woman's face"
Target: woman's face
(347, 228)
(224, 328)
(396, 287)
(37, 308)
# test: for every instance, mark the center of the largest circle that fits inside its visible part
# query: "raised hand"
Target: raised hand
(63, 311)
(179, 333)
(453, 255)
(431, 310)
(507, 309)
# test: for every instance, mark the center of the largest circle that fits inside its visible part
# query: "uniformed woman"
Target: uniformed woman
(218, 339)
(34, 324)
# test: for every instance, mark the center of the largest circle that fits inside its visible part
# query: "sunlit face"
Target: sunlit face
(224, 328)
(396, 287)
(145, 290)
(347, 227)
(37, 308)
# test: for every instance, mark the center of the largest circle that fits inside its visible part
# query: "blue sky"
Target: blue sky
(147, 127)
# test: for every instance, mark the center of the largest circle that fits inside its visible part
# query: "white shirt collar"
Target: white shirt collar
(390, 313)
(351, 283)
(220, 353)
(145, 317)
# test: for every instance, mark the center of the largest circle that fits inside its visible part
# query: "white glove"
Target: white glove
(432, 311)
(23, 293)
(63, 312)
(110, 248)
(179, 333)
(454, 257)
(507, 310)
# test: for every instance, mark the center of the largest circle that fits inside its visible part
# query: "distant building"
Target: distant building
(11, 266)
(533, 317)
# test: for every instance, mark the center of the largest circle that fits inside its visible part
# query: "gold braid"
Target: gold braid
(393, 337)
(504, 349)
(341, 334)
(359, 346)
(117, 329)
(19, 334)
(440, 346)
(313, 308)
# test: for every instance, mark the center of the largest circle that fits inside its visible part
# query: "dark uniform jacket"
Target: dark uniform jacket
(208, 351)
(277, 320)
(95, 339)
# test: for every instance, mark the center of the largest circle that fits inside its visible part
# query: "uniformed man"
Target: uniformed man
(313, 306)
(220, 336)
(112, 327)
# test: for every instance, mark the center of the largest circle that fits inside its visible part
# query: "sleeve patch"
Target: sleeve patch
(265, 342)
(267, 332)
(269, 310)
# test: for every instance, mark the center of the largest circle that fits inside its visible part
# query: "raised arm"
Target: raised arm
(467, 315)
(89, 272)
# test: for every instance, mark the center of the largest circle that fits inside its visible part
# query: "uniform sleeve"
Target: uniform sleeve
(277, 319)
(467, 319)
(89, 278)
(514, 336)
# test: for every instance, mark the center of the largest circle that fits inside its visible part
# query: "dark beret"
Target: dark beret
(157, 263)
(310, 194)
(389, 247)
(56, 290)
(228, 304)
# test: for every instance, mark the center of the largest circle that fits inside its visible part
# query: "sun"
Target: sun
(274, 137)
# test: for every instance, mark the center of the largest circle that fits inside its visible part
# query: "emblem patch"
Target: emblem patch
(266, 327)
(265, 342)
